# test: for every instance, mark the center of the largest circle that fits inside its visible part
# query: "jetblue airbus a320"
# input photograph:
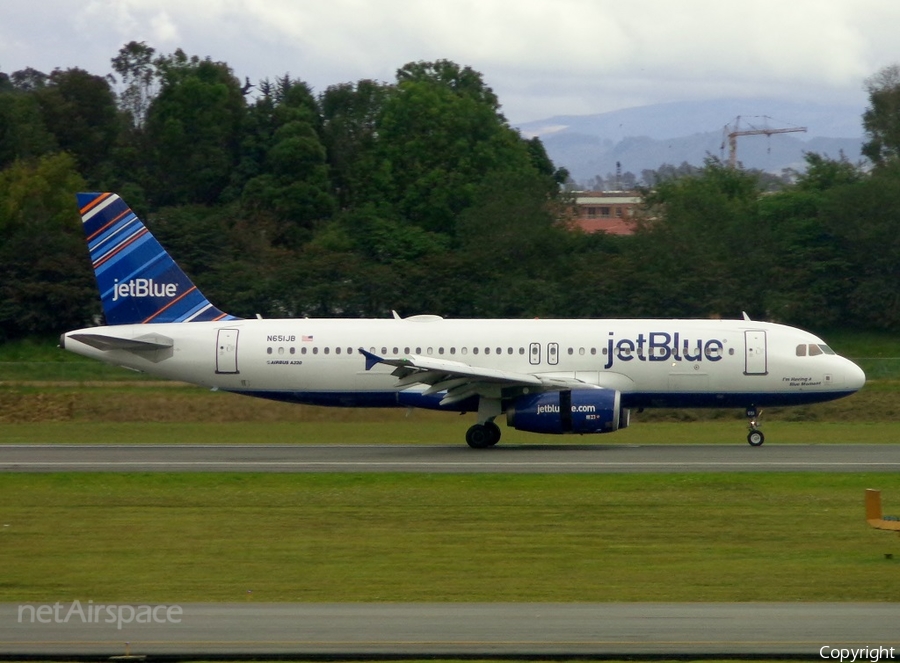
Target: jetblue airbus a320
(544, 376)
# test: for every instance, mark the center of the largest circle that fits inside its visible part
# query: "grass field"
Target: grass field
(361, 537)
(148, 412)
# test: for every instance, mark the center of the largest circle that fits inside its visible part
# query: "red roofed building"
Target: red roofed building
(606, 211)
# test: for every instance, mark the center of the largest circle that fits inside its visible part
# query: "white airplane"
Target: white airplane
(545, 376)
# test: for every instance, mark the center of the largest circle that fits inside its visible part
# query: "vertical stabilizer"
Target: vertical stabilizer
(138, 281)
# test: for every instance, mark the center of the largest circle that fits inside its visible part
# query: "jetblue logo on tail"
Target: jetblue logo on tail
(143, 288)
(139, 282)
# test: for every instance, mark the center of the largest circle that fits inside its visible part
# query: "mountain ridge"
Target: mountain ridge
(646, 137)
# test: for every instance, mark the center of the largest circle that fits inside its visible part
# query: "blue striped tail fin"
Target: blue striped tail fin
(139, 282)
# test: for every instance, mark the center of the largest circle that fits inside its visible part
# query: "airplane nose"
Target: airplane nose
(854, 376)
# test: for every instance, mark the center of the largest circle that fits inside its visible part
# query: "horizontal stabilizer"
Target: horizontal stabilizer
(145, 343)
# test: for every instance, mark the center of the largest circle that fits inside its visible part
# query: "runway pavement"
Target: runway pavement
(449, 459)
(460, 629)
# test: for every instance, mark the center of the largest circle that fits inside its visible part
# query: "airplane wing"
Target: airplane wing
(461, 380)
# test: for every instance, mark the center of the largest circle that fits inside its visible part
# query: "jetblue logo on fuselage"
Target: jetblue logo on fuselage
(143, 288)
(662, 346)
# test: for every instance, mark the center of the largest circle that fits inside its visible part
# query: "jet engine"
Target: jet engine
(572, 411)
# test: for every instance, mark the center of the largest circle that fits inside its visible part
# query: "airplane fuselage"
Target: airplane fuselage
(652, 363)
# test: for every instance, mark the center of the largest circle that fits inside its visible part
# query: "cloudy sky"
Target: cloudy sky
(542, 57)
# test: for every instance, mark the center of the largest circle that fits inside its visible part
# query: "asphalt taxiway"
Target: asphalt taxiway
(460, 629)
(449, 459)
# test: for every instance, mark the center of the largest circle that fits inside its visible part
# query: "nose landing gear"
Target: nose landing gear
(755, 437)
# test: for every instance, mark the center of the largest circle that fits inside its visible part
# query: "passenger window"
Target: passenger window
(509, 351)
(453, 351)
(268, 351)
(303, 350)
(406, 351)
(349, 351)
(396, 350)
(487, 351)
(814, 350)
(440, 351)
(521, 351)
(430, 351)
(337, 351)
(418, 351)
(474, 351)
(327, 350)
(464, 351)
(315, 351)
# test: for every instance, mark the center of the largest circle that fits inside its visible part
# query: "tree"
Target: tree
(350, 115)
(881, 120)
(46, 284)
(702, 251)
(439, 136)
(194, 127)
(28, 80)
(287, 155)
(79, 109)
(864, 218)
(135, 66)
(23, 134)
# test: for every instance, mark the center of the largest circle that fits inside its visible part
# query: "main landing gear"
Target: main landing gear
(481, 436)
(755, 437)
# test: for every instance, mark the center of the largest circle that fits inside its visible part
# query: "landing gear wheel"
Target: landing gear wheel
(494, 430)
(481, 436)
(756, 438)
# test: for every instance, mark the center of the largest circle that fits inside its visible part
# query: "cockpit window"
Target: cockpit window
(813, 349)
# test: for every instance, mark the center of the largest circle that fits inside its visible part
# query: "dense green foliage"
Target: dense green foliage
(415, 195)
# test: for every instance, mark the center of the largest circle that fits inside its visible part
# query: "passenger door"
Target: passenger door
(755, 361)
(226, 351)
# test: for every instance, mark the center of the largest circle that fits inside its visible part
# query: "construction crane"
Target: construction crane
(733, 134)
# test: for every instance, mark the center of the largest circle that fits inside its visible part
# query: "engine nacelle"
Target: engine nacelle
(576, 411)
